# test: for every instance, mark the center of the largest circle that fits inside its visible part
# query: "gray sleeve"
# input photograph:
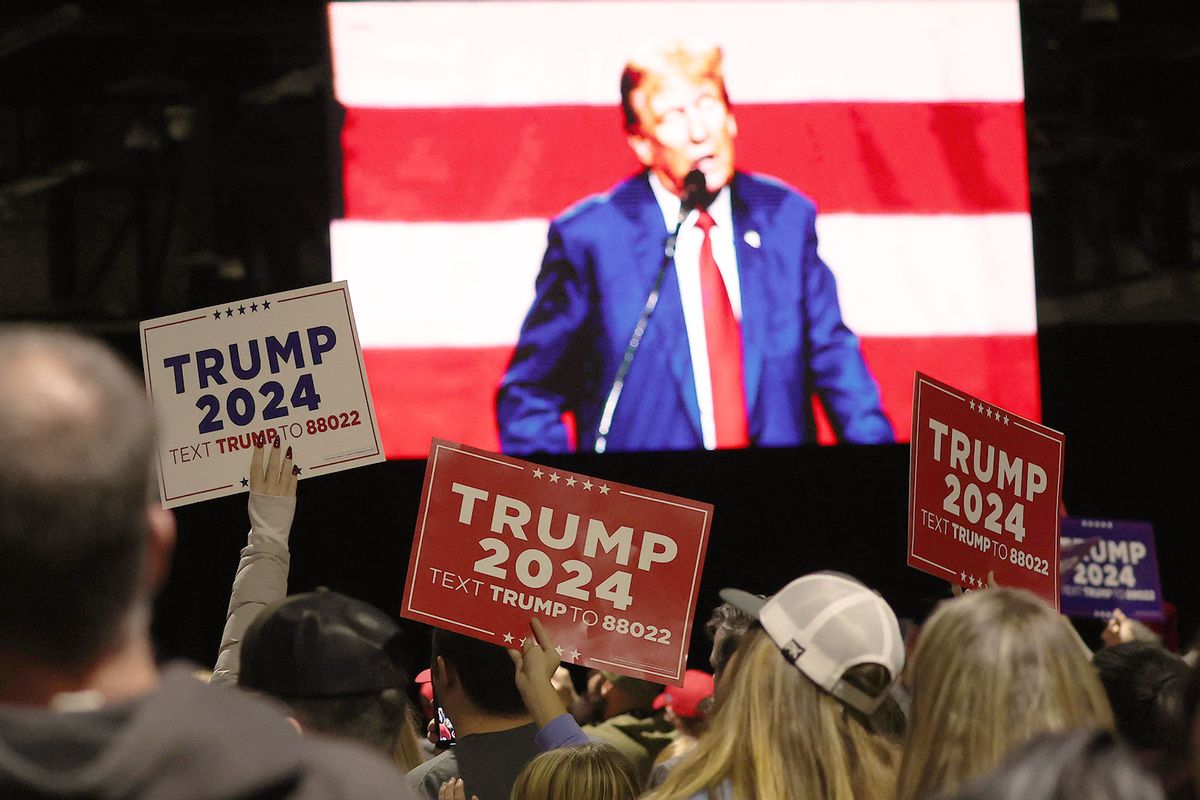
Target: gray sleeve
(261, 577)
(425, 779)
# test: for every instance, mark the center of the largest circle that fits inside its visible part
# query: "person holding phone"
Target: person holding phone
(473, 686)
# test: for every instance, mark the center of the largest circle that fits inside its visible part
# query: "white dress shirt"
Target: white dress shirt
(687, 271)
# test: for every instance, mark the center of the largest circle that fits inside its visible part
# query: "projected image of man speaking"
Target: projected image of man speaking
(746, 326)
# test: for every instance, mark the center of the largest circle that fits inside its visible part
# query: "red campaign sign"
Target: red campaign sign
(984, 492)
(612, 570)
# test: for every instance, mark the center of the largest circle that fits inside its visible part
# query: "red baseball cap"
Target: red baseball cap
(685, 700)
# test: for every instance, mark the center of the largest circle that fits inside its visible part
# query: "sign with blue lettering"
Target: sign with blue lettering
(281, 370)
(1116, 568)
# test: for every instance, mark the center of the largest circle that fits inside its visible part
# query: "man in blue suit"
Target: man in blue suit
(747, 326)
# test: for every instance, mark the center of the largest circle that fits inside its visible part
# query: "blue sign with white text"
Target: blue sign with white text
(1108, 564)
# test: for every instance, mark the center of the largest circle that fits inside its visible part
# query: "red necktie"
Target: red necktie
(723, 335)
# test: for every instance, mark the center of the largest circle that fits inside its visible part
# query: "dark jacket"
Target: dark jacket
(182, 740)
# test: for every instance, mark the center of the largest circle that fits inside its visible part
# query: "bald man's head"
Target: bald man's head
(76, 436)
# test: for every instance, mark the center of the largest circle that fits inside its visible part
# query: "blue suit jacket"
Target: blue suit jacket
(600, 263)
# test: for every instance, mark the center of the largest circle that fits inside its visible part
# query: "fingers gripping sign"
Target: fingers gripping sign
(536, 664)
(1118, 630)
(278, 479)
(991, 583)
(539, 659)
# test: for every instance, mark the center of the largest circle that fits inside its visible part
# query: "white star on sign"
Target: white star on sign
(523, 642)
(554, 477)
(571, 481)
(972, 404)
(587, 485)
(963, 577)
(560, 651)
(575, 654)
(604, 488)
(989, 413)
(1006, 419)
(537, 473)
(508, 638)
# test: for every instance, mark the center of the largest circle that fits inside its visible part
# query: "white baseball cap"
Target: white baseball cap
(825, 624)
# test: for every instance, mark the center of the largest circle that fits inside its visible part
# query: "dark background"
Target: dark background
(160, 156)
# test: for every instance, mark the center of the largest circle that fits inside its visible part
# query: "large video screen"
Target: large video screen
(505, 217)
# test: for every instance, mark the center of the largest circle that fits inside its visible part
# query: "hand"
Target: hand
(536, 666)
(279, 479)
(540, 658)
(1118, 630)
(589, 706)
(565, 686)
(453, 789)
(431, 732)
(992, 583)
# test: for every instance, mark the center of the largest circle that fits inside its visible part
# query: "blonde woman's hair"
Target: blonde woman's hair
(776, 735)
(587, 772)
(990, 671)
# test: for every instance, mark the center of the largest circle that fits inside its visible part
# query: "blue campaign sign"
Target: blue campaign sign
(1108, 564)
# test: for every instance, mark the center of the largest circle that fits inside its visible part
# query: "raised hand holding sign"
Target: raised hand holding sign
(611, 570)
(285, 368)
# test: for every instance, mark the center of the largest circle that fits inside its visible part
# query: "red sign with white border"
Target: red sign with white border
(612, 570)
(984, 492)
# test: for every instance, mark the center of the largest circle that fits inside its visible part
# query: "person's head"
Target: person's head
(623, 695)
(83, 543)
(796, 714)
(587, 772)
(1145, 685)
(990, 671)
(471, 670)
(337, 664)
(688, 706)
(677, 114)
(1189, 763)
(1079, 764)
(725, 627)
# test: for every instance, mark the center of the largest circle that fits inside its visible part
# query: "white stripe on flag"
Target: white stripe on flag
(441, 284)
(438, 284)
(937, 275)
(438, 55)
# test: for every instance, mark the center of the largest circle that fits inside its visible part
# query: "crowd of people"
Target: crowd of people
(814, 690)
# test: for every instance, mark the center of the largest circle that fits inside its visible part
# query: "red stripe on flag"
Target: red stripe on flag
(475, 164)
(1001, 370)
(450, 392)
(421, 393)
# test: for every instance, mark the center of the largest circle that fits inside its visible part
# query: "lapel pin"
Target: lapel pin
(753, 239)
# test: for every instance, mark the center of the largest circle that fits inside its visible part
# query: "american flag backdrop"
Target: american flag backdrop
(469, 125)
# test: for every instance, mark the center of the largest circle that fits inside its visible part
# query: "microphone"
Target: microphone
(694, 195)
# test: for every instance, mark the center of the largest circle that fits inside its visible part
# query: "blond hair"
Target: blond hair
(593, 771)
(775, 734)
(696, 60)
(991, 671)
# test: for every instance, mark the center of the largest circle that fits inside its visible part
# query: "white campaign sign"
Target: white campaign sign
(286, 367)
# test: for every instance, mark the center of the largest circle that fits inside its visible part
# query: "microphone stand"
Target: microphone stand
(693, 191)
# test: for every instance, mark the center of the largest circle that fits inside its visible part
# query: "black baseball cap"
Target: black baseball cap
(321, 644)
